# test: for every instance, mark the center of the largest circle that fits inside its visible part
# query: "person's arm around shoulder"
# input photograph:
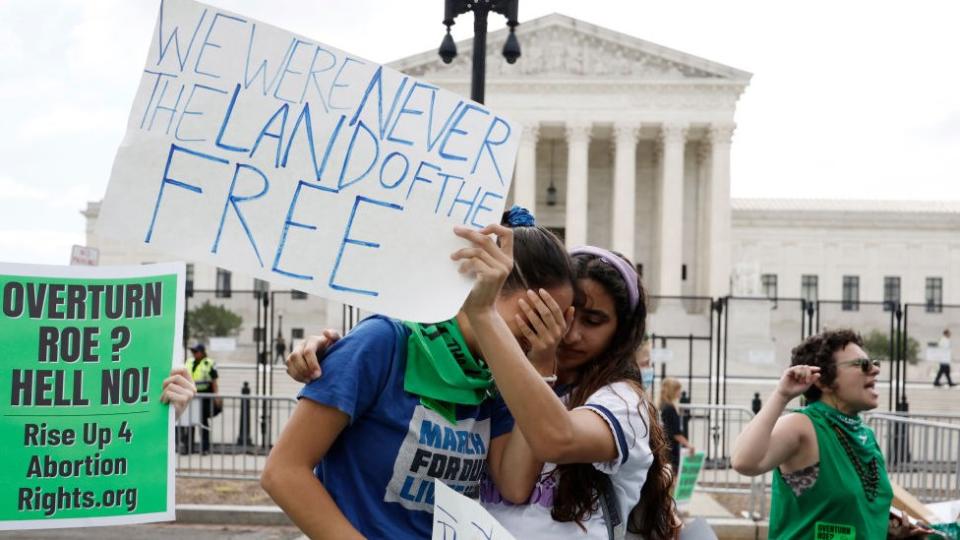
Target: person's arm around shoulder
(769, 440)
(288, 474)
(303, 362)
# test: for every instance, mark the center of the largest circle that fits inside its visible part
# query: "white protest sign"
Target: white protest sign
(278, 156)
(456, 517)
(84, 256)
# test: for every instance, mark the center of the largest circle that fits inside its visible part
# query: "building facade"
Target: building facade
(850, 251)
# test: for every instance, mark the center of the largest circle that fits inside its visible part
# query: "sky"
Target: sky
(851, 100)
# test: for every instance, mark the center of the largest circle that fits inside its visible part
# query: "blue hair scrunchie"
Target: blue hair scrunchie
(519, 216)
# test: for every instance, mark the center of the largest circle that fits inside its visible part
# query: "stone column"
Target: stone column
(670, 253)
(525, 188)
(702, 272)
(624, 187)
(720, 136)
(578, 145)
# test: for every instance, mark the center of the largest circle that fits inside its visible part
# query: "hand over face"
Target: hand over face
(543, 325)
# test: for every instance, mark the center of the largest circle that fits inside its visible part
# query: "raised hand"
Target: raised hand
(303, 363)
(489, 261)
(544, 327)
(796, 380)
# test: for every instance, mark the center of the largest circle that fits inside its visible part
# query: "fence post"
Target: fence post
(901, 438)
(902, 382)
(243, 439)
(690, 366)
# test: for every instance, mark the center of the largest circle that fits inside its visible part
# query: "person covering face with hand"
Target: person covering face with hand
(601, 426)
(401, 405)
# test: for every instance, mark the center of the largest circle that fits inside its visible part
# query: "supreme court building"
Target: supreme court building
(626, 143)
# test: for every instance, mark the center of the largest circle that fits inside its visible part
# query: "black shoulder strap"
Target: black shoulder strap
(610, 508)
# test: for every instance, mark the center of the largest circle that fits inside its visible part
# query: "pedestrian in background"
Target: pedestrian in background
(944, 345)
(672, 425)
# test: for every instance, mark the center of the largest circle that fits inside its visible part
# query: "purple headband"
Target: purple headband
(627, 272)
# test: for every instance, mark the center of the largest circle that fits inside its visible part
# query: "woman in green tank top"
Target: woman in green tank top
(830, 481)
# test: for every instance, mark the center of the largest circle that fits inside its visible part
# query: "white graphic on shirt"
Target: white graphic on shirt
(435, 448)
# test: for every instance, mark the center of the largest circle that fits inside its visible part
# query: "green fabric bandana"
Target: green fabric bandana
(852, 426)
(441, 370)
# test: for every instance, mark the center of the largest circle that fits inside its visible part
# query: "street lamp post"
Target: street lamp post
(480, 9)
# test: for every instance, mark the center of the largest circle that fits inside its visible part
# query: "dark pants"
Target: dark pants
(944, 370)
(188, 441)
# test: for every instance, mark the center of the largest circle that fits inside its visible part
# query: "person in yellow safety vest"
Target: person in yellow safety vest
(203, 371)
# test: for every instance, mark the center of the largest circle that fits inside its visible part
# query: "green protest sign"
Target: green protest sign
(690, 467)
(84, 354)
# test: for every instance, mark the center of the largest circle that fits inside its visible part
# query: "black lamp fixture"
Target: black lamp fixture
(480, 9)
(551, 189)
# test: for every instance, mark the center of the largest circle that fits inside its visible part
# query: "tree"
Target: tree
(208, 320)
(877, 345)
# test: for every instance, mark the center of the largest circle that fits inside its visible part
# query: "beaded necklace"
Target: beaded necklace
(869, 474)
(863, 455)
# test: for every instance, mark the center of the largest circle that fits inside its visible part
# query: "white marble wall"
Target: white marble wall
(831, 251)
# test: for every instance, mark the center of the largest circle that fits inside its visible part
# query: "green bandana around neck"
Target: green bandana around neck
(853, 427)
(441, 369)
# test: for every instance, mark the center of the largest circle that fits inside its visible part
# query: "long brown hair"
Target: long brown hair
(653, 516)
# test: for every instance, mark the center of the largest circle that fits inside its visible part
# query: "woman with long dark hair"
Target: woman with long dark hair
(601, 448)
(598, 450)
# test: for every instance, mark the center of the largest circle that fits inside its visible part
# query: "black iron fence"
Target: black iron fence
(727, 350)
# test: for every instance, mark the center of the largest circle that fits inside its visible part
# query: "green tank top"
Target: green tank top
(847, 501)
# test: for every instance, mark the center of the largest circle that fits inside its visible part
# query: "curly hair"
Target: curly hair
(818, 350)
(653, 516)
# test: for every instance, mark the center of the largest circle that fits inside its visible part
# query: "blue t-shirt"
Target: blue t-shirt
(380, 470)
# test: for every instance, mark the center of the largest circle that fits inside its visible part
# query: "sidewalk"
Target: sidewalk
(724, 524)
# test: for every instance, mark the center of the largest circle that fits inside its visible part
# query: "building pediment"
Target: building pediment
(560, 47)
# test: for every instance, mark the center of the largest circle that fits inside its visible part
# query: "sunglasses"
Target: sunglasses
(866, 364)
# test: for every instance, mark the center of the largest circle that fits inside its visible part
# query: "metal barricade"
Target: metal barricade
(713, 429)
(232, 443)
(941, 417)
(922, 456)
(922, 452)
